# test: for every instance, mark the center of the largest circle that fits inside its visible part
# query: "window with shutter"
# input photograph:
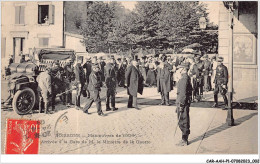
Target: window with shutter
(51, 14)
(19, 14)
(43, 14)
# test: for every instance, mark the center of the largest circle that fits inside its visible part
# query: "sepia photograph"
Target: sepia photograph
(130, 77)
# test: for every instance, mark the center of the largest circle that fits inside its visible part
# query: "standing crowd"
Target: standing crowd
(193, 76)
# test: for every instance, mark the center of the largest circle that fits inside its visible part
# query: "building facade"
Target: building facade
(31, 24)
(245, 33)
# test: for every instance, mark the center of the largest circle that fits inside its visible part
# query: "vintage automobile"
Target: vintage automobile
(22, 81)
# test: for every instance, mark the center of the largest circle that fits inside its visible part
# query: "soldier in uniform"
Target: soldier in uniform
(206, 73)
(134, 82)
(199, 77)
(183, 100)
(80, 82)
(221, 80)
(45, 90)
(68, 77)
(164, 81)
(110, 81)
(196, 72)
(94, 86)
(214, 65)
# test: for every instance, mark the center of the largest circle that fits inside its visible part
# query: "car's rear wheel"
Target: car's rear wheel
(24, 101)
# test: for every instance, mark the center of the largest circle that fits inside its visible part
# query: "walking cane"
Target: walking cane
(177, 123)
(60, 94)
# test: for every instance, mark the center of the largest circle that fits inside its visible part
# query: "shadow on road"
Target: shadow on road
(222, 128)
(201, 104)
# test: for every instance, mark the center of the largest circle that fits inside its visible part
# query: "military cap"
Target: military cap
(119, 59)
(220, 59)
(183, 65)
(112, 56)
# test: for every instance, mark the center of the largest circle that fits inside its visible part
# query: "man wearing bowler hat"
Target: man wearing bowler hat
(221, 80)
(183, 100)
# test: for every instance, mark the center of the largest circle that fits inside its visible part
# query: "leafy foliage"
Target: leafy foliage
(159, 25)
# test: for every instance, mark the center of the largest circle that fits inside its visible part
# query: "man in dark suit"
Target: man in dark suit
(68, 77)
(102, 65)
(80, 82)
(88, 67)
(134, 81)
(121, 72)
(110, 81)
(164, 80)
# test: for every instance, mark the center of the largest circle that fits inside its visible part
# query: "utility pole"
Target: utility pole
(230, 119)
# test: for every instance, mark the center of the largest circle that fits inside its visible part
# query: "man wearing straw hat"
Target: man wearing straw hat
(183, 100)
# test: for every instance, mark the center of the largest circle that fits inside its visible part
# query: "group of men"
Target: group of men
(192, 76)
(87, 83)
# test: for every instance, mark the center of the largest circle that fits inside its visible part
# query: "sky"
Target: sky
(213, 8)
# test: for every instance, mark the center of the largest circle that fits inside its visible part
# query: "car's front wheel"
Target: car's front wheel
(24, 101)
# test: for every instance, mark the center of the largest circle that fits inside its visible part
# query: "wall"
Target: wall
(245, 72)
(31, 30)
(73, 41)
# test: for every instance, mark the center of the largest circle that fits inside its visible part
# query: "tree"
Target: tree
(177, 22)
(96, 27)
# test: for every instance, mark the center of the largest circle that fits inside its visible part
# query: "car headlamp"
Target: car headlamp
(31, 79)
